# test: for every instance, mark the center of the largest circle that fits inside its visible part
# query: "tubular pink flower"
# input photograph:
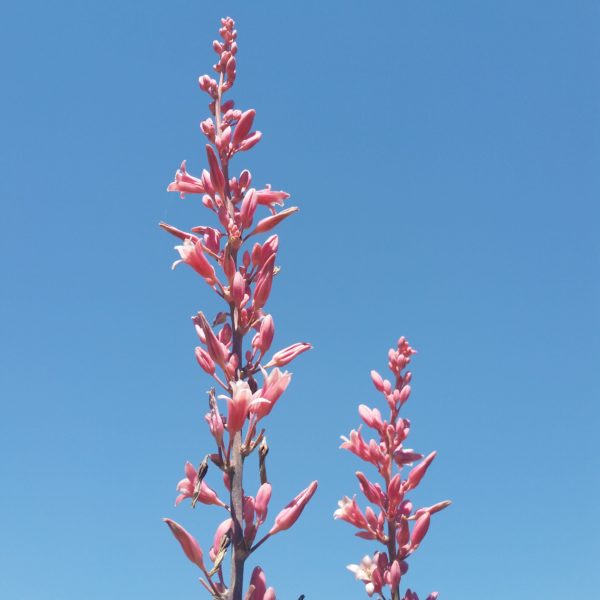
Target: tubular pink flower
(217, 350)
(287, 355)
(188, 543)
(192, 254)
(187, 488)
(238, 405)
(350, 512)
(289, 515)
(269, 197)
(275, 384)
(185, 183)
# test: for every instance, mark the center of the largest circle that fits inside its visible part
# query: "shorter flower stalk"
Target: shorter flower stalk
(392, 521)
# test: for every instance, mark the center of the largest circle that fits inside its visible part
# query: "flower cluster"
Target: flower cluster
(252, 383)
(394, 522)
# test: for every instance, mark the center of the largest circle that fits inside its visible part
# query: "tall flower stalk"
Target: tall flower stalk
(233, 345)
(394, 523)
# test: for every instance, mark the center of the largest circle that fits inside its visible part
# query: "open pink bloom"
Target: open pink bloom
(185, 183)
(287, 355)
(188, 543)
(368, 572)
(273, 387)
(187, 488)
(192, 254)
(350, 512)
(238, 405)
(289, 515)
(270, 197)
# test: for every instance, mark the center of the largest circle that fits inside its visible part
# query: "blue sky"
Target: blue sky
(444, 156)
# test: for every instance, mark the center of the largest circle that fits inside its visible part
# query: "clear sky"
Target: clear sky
(445, 159)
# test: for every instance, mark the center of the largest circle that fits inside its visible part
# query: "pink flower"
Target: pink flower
(275, 384)
(192, 254)
(289, 515)
(188, 543)
(185, 183)
(287, 355)
(264, 337)
(187, 488)
(350, 512)
(238, 405)
(269, 197)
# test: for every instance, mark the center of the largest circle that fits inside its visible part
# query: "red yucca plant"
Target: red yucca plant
(236, 258)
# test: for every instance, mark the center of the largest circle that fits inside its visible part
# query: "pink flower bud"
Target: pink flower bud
(250, 142)
(245, 179)
(289, 515)
(243, 127)
(287, 355)
(188, 543)
(205, 361)
(269, 222)
(261, 503)
(218, 352)
(377, 381)
(418, 472)
(182, 235)
(248, 208)
(259, 581)
(419, 530)
(265, 334)
(238, 288)
(372, 492)
(395, 574)
(264, 281)
(221, 530)
(216, 175)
